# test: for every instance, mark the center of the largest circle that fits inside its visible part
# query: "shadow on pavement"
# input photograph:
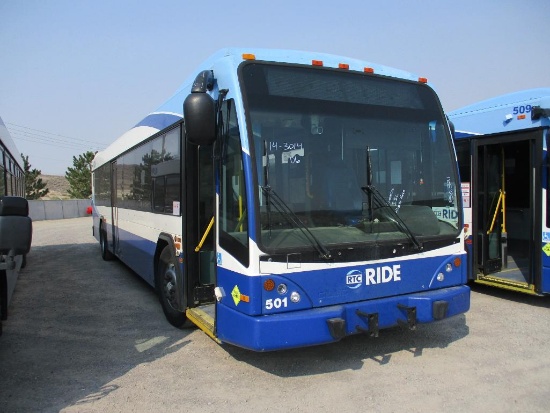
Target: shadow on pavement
(507, 295)
(351, 352)
(76, 323)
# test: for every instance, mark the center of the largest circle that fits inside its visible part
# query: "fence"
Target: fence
(59, 209)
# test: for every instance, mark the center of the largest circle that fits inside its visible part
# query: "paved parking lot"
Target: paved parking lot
(84, 335)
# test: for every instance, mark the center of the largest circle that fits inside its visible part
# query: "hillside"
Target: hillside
(58, 186)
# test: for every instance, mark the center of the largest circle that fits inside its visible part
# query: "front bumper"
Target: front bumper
(328, 324)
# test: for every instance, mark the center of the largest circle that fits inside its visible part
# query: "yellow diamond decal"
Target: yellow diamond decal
(236, 294)
(546, 249)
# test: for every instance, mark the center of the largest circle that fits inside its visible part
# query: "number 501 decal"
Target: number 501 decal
(276, 303)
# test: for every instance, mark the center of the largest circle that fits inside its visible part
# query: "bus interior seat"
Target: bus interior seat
(342, 191)
(420, 219)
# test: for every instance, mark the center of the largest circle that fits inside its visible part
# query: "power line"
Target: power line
(28, 134)
(49, 133)
(52, 142)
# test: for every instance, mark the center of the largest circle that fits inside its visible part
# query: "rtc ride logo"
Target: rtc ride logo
(376, 275)
(354, 279)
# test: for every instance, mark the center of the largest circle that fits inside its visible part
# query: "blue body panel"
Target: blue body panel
(251, 317)
(309, 327)
(138, 253)
(159, 121)
(505, 113)
(545, 284)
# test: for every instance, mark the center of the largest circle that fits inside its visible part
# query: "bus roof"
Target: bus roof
(504, 113)
(5, 138)
(171, 111)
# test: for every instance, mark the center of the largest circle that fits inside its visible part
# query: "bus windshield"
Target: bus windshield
(346, 159)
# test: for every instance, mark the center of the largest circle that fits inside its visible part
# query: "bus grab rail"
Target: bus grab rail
(208, 229)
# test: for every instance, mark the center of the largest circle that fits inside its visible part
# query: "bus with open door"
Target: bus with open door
(502, 146)
(283, 199)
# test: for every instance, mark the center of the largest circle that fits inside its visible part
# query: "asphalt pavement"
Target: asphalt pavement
(86, 335)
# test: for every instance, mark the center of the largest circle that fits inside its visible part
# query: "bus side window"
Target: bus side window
(158, 194)
(172, 192)
(2, 176)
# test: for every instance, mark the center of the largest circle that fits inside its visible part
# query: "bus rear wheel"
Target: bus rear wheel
(105, 253)
(167, 284)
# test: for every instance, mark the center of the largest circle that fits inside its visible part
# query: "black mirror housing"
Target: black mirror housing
(199, 111)
(199, 114)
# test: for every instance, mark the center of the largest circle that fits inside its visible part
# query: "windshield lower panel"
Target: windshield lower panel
(320, 138)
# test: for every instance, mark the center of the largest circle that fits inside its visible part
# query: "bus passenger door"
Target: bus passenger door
(509, 211)
(205, 219)
(199, 225)
(489, 212)
(114, 207)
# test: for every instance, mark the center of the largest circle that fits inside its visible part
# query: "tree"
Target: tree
(80, 176)
(35, 188)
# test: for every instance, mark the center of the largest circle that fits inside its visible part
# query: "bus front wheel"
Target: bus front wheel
(167, 284)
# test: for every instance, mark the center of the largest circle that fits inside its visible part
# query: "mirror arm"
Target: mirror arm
(203, 82)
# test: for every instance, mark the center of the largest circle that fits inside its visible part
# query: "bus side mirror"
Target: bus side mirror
(199, 111)
(537, 112)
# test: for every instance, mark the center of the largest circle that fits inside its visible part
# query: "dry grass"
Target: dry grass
(58, 186)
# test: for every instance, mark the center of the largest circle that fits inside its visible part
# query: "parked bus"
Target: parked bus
(501, 146)
(12, 175)
(15, 224)
(283, 199)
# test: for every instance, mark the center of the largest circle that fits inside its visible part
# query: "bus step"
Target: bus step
(204, 293)
(203, 318)
(507, 284)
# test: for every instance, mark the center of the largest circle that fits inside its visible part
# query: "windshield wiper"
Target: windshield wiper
(382, 202)
(274, 199)
(372, 192)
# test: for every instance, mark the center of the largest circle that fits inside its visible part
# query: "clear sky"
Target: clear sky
(76, 74)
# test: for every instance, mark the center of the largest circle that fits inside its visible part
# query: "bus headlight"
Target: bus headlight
(295, 297)
(440, 276)
(282, 289)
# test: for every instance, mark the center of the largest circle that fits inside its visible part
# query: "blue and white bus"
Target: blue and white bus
(502, 146)
(283, 199)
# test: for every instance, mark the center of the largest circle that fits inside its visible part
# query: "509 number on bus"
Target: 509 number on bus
(518, 110)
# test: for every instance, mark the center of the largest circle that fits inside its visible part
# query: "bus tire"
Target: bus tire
(166, 280)
(105, 253)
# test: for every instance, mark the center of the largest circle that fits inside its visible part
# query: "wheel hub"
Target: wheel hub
(169, 286)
